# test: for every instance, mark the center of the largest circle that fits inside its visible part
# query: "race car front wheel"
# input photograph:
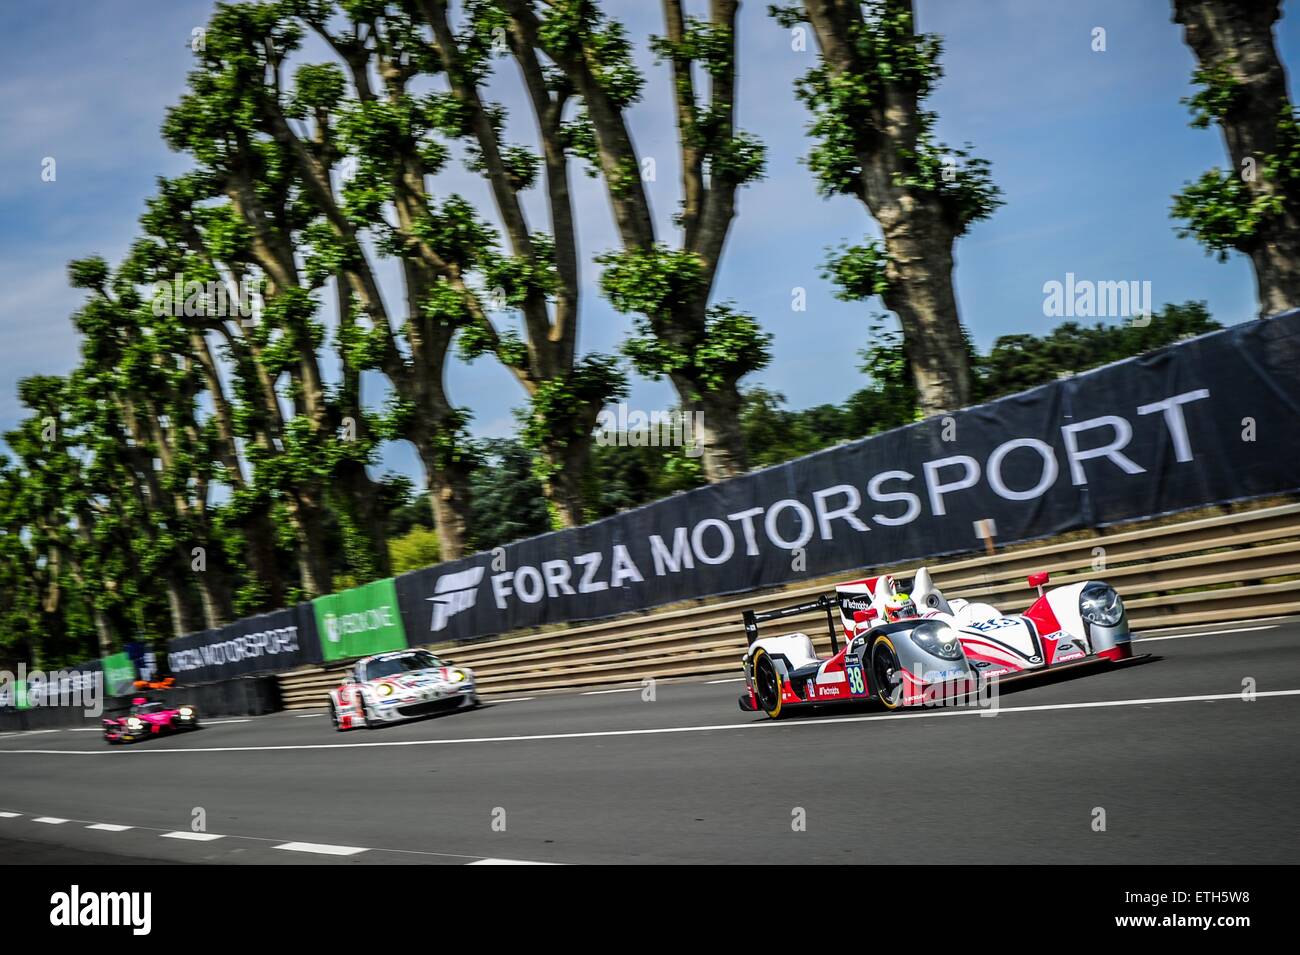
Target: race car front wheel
(886, 674)
(767, 683)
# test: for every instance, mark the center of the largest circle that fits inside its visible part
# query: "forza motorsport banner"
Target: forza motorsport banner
(360, 621)
(268, 643)
(1213, 419)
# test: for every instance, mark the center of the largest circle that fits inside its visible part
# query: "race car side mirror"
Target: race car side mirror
(862, 616)
(1038, 580)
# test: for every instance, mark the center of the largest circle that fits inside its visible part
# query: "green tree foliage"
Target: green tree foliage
(1254, 206)
(874, 140)
(702, 349)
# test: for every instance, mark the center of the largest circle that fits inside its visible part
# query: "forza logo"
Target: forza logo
(454, 593)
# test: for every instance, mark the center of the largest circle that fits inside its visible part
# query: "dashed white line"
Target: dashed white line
(321, 849)
(513, 699)
(50, 820)
(626, 689)
(10, 815)
(306, 716)
(193, 836)
(739, 679)
(507, 862)
(108, 827)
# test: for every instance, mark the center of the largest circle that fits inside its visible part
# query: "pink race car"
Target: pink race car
(146, 719)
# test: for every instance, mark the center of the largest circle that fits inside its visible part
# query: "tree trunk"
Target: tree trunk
(565, 489)
(449, 498)
(921, 295)
(1238, 37)
(715, 425)
(313, 561)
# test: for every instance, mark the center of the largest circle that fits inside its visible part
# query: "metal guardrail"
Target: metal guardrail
(1210, 570)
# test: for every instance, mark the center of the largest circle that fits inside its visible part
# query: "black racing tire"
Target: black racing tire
(334, 717)
(886, 673)
(767, 683)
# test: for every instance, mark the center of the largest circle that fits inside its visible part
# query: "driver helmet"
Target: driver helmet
(899, 607)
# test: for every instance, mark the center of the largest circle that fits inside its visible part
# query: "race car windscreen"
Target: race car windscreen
(391, 666)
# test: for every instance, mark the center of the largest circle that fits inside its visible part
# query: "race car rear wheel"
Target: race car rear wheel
(767, 683)
(334, 716)
(886, 674)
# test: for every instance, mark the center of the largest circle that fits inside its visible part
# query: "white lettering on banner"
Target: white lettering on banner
(1174, 420)
(1123, 435)
(746, 519)
(246, 647)
(790, 523)
(623, 567)
(728, 541)
(1046, 480)
(680, 556)
(805, 523)
(913, 502)
(847, 513)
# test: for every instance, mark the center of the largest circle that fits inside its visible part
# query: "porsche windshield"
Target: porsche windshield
(392, 666)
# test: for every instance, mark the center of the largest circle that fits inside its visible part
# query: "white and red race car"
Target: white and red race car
(903, 649)
(402, 685)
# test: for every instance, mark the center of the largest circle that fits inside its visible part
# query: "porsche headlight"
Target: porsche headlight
(1100, 604)
(384, 689)
(937, 639)
(456, 676)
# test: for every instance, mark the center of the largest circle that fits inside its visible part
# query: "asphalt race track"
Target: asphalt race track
(1185, 769)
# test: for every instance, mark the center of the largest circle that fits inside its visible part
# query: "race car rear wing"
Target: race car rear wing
(826, 602)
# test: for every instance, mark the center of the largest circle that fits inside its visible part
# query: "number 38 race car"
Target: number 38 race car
(401, 685)
(903, 649)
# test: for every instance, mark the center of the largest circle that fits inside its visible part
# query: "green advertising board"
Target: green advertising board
(119, 674)
(360, 621)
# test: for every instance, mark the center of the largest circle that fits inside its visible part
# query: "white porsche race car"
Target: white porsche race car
(402, 685)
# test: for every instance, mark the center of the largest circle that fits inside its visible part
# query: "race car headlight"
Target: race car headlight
(1100, 604)
(937, 639)
(456, 676)
(384, 689)
(186, 711)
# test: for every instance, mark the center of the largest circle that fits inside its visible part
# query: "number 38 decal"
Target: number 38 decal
(857, 684)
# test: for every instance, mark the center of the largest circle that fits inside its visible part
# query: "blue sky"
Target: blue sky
(1087, 147)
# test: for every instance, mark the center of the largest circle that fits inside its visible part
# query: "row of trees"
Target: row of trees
(207, 460)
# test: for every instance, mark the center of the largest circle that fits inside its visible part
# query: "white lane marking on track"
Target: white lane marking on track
(739, 679)
(1205, 633)
(193, 836)
(307, 716)
(667, 730)
(626, 689)
(513, 699)
(50, 820)
(1265, 621)
(221, 722)
(507, 862)
(10, 815)
(108, 827)
(321, 849)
